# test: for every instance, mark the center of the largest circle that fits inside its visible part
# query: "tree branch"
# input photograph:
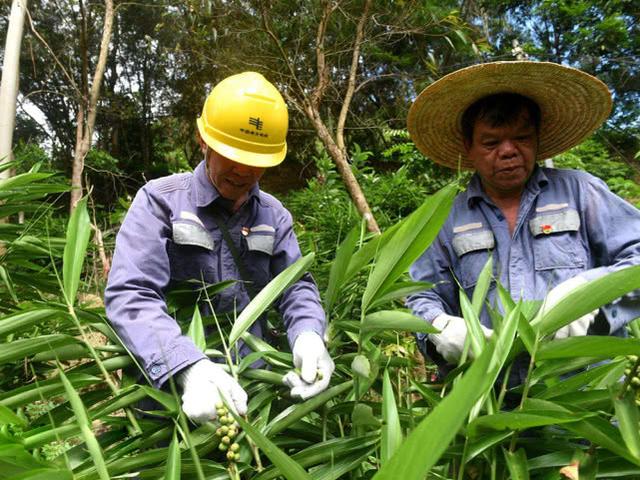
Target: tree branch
(351, 85)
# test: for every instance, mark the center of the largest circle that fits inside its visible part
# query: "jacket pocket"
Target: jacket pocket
(191, 253)
(473, 250)
(557, 243)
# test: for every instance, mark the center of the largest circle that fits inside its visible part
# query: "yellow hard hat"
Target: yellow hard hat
(245, 119)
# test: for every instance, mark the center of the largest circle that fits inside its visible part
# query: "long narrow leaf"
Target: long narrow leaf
(591, 346)
(391, 431)
(7, 417)
(196, 330)
(288, 467)
(517, 464)
(396, 320)
(267, 296)
(296, 412)
(429, 440)
(173, 460)
(629, 421)
(85, 427)
(587, 298)
(339, 267)
(412, 238)
(78, 232)
(25, 319)
(482, 286)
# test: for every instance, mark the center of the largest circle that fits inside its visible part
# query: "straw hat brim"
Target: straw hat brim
(572, 104)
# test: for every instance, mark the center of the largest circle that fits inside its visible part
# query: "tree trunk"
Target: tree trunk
(85, 128)
(10, 81)
(340, 159)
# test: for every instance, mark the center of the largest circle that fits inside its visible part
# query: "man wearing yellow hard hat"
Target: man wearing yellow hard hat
(212, 225)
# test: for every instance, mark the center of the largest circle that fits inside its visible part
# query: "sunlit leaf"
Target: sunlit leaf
(391, 430)
(78, 233)
(267, 296)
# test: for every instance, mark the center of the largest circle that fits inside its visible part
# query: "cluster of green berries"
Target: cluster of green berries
(226, 432)
(632, 372)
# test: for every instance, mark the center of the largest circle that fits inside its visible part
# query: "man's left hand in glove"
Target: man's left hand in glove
(311, 358)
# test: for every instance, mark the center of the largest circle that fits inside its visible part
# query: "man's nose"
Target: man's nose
(507, 148)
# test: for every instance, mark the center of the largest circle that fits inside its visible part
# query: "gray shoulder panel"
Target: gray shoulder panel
(179, 181)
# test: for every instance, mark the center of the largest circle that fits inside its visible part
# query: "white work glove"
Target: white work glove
(310, 356)
(204, 384)
(578, 327)
(450, 341)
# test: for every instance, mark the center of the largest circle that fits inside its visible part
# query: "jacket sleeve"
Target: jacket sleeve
(135, 293)
(434, 266)
(300, 304)
(613, 226)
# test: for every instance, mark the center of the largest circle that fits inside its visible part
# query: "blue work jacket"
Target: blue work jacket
(169, 235)
(568, 223)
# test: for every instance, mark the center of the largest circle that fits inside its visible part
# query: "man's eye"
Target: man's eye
(489, 143)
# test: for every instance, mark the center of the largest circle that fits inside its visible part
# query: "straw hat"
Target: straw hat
(572, 105)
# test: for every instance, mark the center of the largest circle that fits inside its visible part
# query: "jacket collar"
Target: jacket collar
(475, 192)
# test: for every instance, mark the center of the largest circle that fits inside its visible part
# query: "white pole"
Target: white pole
(10, 81)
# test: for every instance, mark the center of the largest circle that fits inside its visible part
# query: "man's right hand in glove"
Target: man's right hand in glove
(453, 331)
(204, 384)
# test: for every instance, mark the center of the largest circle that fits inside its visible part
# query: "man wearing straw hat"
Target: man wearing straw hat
(547, 230)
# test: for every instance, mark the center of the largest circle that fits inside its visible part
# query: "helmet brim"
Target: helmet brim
(253, 159)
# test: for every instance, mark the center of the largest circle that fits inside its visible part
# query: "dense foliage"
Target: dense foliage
(74, 403)
(70, 397)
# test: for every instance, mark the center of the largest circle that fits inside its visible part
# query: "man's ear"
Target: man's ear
(203, 145)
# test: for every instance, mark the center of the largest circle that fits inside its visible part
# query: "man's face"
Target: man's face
(504, 156)
(232, 179)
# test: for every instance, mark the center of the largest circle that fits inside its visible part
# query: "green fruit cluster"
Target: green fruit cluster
(632, 372)
(226, 432)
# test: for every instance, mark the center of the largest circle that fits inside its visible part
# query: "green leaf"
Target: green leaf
(409, 242)
(18, 349)
(25, 319)
(329, 451)
(428, 441)
(82, 419)
(173, 460)
(595, 429)
(8, 283)
(391, 431)
(295, 413)
(396, 320)
(267, 296)
(288, 467)
(196, 330)
(482, 286)
(628, 420)
(366, 253)
(593, 346)
(361, 366)
(78, 232)
(362, 416)
(400, 290)
(521, 420)
(339, 267)
(43, 474)
(472, 321)
(517, 464)
(8, 417)
(587, 298)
